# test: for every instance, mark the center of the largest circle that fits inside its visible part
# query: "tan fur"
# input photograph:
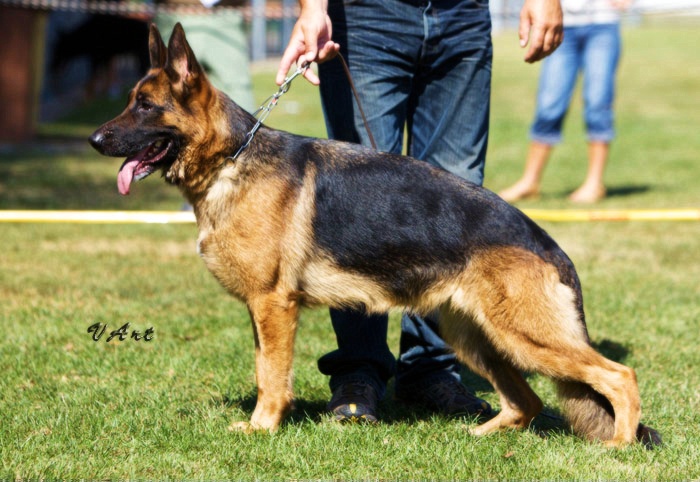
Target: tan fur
(325, 284)
(512, 313)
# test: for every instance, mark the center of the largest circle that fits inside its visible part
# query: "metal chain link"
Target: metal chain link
(270, 103)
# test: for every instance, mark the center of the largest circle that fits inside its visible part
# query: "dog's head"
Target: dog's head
(158, 129)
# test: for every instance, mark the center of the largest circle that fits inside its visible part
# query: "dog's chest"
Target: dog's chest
(221, 262)
(242, 264)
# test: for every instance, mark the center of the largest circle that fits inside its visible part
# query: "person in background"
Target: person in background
(591, 46)
(219, 39)
(423, 66)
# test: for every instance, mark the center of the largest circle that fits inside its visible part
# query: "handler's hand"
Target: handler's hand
(541, 26)
(310, 42)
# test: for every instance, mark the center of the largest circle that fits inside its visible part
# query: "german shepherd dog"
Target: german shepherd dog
(297, 221)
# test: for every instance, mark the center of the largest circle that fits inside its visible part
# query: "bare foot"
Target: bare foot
(519, 190)
(588, 194)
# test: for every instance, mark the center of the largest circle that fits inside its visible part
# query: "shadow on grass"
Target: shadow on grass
(623, 191)
(244, 402)
(612, 192)
(612, 350)
(550, 422)
(303, 410)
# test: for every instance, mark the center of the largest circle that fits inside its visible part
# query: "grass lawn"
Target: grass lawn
(72, 407)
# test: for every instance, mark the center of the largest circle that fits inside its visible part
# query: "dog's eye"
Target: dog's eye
(145, 106)
(142, 103)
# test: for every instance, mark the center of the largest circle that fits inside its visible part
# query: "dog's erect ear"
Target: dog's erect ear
(156, 48)
(182, 66)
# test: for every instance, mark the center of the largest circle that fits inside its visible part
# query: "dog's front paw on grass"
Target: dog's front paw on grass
(250, 428)
(243, 427)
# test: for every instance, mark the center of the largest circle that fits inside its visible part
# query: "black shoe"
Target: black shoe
(445, 395)
(354, 402)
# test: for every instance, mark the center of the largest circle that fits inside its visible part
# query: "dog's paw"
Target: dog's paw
(244, 427)
(485, 429)
(649, 437)
(616, 444)
(251, 427)
(620, 442)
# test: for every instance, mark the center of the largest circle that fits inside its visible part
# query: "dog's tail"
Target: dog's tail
(591, 416)
(589, 413)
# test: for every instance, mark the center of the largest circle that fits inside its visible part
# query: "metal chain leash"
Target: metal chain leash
(270, 103)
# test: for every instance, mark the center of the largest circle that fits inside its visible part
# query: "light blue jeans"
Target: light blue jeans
(593, 50)
(424, 66)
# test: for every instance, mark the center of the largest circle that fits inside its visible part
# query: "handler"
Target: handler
(424, 66)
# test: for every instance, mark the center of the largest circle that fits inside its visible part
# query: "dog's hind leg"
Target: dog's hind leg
(274, 318)
(584, 406)
(533, 320)
(519, 403)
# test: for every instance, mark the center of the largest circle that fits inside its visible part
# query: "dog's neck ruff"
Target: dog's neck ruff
(264, 110)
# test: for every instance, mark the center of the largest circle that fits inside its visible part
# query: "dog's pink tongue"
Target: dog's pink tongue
(126, 175)
(126, 172)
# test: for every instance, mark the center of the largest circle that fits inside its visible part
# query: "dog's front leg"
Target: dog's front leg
(274, 318)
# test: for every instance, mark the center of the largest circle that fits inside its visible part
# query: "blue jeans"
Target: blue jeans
(426, 67)
(594, 50)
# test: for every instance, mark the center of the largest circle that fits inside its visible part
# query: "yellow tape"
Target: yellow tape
(182, 217)
(98, 217)
(564, 215)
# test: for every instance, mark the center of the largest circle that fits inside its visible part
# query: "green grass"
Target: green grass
(71, 407)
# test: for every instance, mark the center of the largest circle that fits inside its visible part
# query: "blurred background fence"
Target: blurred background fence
(37, 36)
